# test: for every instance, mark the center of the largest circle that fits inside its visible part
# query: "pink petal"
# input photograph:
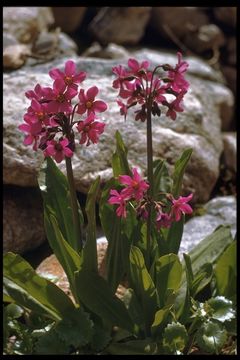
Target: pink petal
(28, 140)
(68, 152)
(24, 127)
(81, 109)
(65, 107)
(35, 105)
(99, 106)
(51, 150)
(83, 138)
(92, 92)
(79, 77)
(53, 107)
(136, 176)
(70, 68)
(125, 179)
(71, 92)
(64, 142)
(133, 64)
(59, 156)
(59, 86)
(145, 64)
(56, 74)
(186, 209)
(82, 96)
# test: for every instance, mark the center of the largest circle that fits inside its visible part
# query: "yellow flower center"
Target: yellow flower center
(68, 80)
(88, 104)
(60, 98)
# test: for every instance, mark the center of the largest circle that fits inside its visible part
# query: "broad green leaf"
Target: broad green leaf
(119, 160)
(66, 255)
(75, 329)
(210, 248)
(175, 338)
(221, 308)
(14, 311)
(162, 180)
(202, 278)
(143, 286)
(179, 169)
(160, 320)
(184, 313)
(174, 235)
(226, 272)
(211, 337)
(100, 338)
(116, 231)
(90, 248)
(32, 291)
(55, 192)
(168, 275)
(51, 344)
(134, 347)
(134, 308)
(95, 293)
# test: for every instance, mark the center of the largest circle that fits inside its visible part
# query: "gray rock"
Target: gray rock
(68, 18)
(111, 51)
(120, 25)
(8, 40)
(232, 50)
(230, 151)
(25, 23)
(14, 56)
(219, 211)
(230, 73)
(197, 127)
(22, 220)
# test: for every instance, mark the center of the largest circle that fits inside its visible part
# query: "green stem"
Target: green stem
(74, 205)
(150, 178)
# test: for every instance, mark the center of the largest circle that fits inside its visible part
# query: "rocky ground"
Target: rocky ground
(38, 39)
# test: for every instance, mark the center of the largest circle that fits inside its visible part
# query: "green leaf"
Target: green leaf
(168, 275)
(226, 272)
(90, 248)
(221, 308)
(55, 192)
(14, 311)
(162, 180)
(134, 308)
(75, 329)
(184, 311)
(160, 320)
(66, 255)
(119, 160)
(211, 337)
(210, 248)
(143, 285)
(95, 293)
(51, 344)
(175, 338)
(174, 235)
(134, 347)
(202, 278)
(179, 169)
(117, 232)
(100, 339)
(32, 291)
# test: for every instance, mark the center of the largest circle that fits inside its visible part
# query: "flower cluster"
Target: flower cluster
(135, 191)
(139, 85)
(49, 121)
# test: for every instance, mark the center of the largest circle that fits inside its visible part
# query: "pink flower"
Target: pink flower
(90, 130)
(175, 106)
(69, 76)
(33, 130)
(180, 207)
(136, 68)
(88, 103)
(178, 82)
(118, 198)
(58, 150)
(163, 220)
(123, 108)
(39, 93)
(121, 73)
(61, 97)
(136, 187)
(37, 112)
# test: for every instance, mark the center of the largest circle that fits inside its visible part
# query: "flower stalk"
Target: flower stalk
(74, 205)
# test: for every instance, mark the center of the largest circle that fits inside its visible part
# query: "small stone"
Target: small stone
(8, 40)
(227, 15)
(207, 37)
(14, 56)
(230, 73)
(111, 51)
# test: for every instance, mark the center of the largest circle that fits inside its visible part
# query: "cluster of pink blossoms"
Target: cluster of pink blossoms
(49, 122)
(140, 86)
(135, 189)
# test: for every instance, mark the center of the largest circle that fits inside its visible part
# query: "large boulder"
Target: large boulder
(198, 127)
(68, 18)
(121, 25)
